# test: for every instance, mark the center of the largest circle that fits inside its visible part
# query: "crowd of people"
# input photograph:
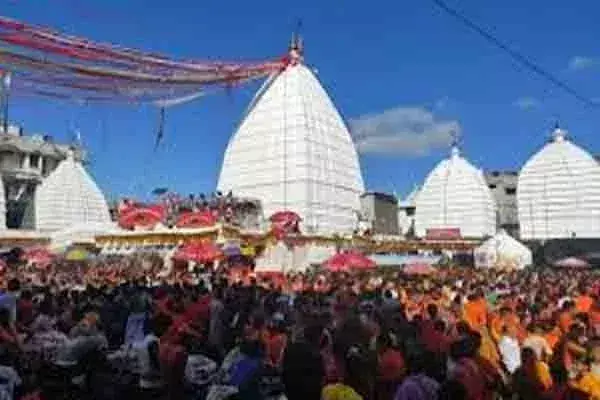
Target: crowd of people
(226, 208)
(118, 330)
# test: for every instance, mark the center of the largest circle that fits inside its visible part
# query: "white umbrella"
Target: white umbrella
(572, 262)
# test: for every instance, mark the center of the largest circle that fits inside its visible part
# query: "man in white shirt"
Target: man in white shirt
(509, 349)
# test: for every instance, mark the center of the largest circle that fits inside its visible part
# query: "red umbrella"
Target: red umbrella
(284, 222)
(285, 216)
(39, 256)
(196, 219)
(143, 217)
(357, 260)
(336, 263)
(200, 252)
(418, 269)
(351, 260)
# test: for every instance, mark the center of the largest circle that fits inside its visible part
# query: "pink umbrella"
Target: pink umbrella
(418, 269)
(39, 256)
(143, 217)
(196, 219)
(572, 262)
(336, 263)
(284, 223)
(358, 261)
(351, 260)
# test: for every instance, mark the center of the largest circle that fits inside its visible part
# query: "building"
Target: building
(455, 196)
(503, 185)
(293, 152)
(558, 193)
(380, 211)
(70, 199)
(25, 161)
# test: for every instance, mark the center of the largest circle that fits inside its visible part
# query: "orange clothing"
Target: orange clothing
(583, 303)
(590, 384)
(475, 314)
(496, 327)
(488, 350)
(553, 337)
(543, 372)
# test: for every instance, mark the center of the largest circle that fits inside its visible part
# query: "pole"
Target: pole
(2, 100)
(5, 92)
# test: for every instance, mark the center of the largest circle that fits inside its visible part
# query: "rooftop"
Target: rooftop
(14, 140)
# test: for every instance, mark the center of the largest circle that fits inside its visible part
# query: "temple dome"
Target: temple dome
(455, 195)
(292, 150)
(69, 197)
(558, 192)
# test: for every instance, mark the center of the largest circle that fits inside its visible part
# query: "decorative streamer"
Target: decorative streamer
(64, 66)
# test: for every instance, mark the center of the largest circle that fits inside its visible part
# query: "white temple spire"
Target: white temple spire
(293, 151)
(455, 195)
(558, 193)
(69, 197)
(296, 48)
(455, 149)
(558, 134)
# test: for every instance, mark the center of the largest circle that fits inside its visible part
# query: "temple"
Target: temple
(455, 196)
(558, 192)
(293, 151)
(69, 199)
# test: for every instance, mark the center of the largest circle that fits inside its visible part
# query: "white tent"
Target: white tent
(299, 258)
(502, 251)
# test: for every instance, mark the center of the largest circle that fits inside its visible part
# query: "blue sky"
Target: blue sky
(403, 61)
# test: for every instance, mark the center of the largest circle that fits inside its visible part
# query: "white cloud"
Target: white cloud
(413, 131)
(579, 63)
(527, 103)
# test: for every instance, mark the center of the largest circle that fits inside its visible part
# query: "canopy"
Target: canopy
(504, 252)
(350, 260)
(201, 252)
